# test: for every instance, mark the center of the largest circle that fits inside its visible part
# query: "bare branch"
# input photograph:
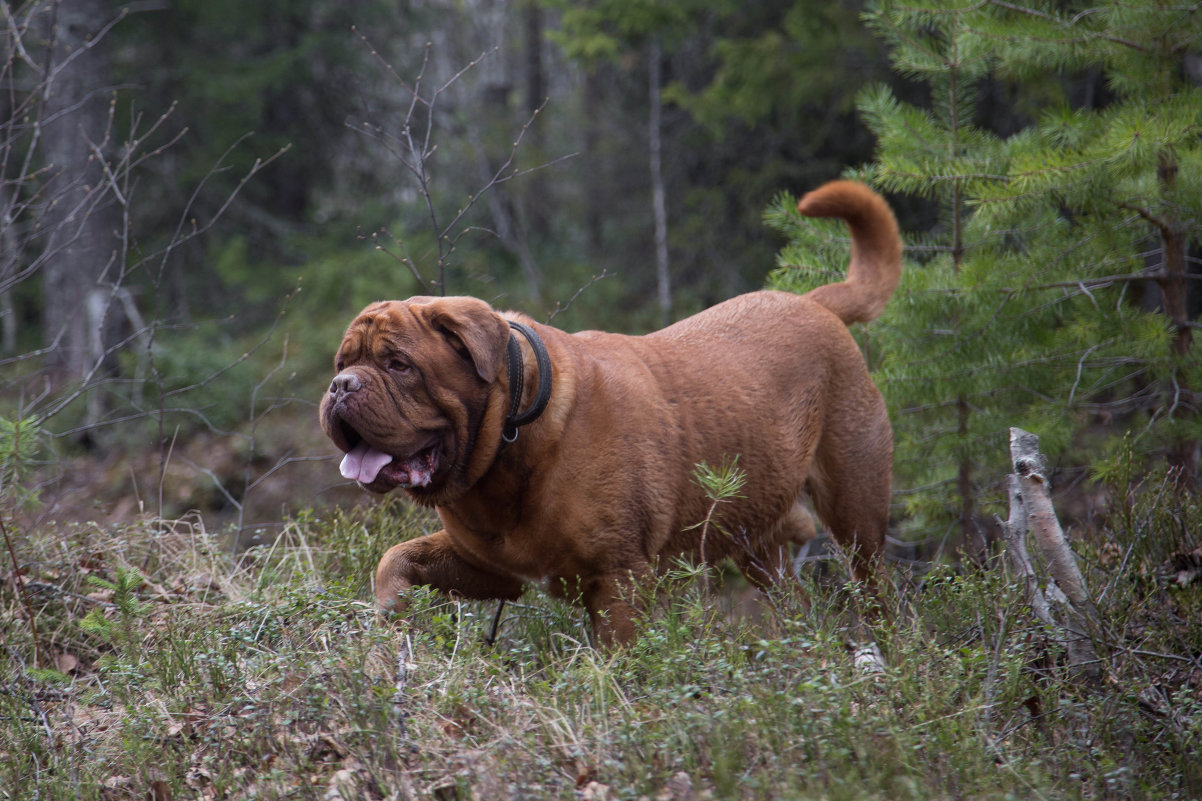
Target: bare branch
(565, 306)
(414, 149)
(403, 258)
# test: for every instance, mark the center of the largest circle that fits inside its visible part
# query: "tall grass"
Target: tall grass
(174, 668)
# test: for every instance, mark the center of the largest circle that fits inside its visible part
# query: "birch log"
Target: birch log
(1031, 510)
(1014, 532)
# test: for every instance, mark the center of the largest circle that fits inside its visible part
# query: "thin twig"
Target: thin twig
(565, 306)
(19, 582)
(404, 654)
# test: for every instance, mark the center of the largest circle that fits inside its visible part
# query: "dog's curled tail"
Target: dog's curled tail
(876, 250)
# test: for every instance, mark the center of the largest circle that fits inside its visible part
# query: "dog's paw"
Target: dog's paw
(393, 606)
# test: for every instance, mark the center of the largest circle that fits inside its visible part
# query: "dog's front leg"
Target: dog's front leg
(431, 561)
(614, 603)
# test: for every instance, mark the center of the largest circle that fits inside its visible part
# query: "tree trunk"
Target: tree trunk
(10, 253)
(80, 270)
(968, 522)
(595, 206)
(537, 197)
(658, 204)
(1184, 453)
(10, 256)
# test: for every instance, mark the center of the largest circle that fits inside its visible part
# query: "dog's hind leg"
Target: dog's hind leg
(851, 489)
(766, 563)
(858, 518)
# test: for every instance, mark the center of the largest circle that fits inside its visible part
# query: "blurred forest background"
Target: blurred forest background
(198, 195)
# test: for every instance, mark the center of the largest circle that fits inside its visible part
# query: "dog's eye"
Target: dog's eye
(339, 365)
(398, 366)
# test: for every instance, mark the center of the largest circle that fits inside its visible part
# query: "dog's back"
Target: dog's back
(783, 384)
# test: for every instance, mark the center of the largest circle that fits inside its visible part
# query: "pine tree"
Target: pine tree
(1021, 306)
(1120, 192)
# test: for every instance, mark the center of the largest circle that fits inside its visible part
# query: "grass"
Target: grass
(171, 668)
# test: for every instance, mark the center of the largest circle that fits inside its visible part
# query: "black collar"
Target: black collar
(517, 371)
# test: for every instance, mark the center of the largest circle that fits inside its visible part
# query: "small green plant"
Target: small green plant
(721, 485)
(19, 438)
(20, 442)
(121, 630)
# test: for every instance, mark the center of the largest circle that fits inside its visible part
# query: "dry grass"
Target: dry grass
(170, 668)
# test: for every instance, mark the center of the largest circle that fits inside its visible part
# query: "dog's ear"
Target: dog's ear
(475, 331)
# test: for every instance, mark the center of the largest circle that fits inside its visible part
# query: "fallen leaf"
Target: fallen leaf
(679, 788)
(1188, 566)
(326, 749)
(341, 786)
(160, 790)
(585, 773)
(595, 791)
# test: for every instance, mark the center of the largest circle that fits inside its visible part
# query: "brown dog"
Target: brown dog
(569, 458)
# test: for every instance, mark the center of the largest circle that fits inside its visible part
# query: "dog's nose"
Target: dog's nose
(345, 383)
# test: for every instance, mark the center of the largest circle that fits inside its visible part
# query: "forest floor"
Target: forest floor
(150, 659)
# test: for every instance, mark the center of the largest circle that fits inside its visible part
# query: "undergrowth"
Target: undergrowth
(172, 668)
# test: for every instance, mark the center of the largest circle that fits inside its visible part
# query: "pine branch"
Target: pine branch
(1060, 23)
(1159, 222)
(1080, 283)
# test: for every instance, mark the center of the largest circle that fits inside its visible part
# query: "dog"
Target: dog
(569, 458)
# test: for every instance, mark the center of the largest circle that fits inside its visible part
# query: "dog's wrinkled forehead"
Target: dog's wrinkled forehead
(384, 327)
(421, 328)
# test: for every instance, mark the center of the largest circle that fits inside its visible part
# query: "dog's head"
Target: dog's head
(418, 393)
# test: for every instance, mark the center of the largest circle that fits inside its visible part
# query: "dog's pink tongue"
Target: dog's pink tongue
(363, 463)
